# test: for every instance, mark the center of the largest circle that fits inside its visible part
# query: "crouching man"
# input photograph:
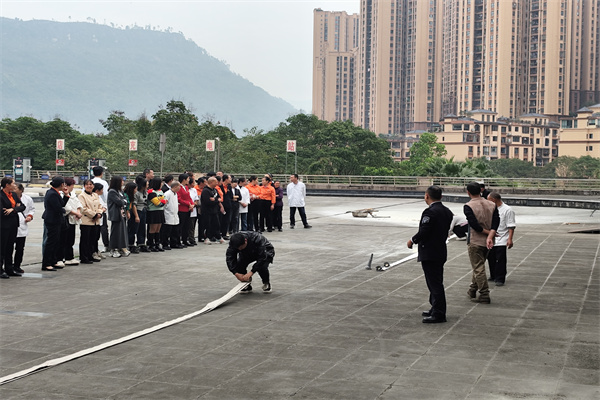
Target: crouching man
(247, 247)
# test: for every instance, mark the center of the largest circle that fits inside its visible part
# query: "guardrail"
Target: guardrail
(393, 181)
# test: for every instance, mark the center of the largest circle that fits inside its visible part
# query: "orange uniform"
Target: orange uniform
(268, 193)
(254, 190)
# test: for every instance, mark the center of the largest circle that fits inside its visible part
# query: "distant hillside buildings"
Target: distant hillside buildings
(401, 67)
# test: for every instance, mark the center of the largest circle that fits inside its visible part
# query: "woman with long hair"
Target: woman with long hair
(133, 219)
(73, 210)
(117, 216)
(155, 215)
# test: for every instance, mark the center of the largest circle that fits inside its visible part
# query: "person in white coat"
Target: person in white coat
(296, 192)
(168, 231)
(25, 218)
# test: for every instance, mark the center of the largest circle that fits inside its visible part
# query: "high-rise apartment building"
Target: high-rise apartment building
(420, 60)
(334, 62)
(399, 66)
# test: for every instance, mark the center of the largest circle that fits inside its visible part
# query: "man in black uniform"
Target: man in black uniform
(246, 247)
(431, 240)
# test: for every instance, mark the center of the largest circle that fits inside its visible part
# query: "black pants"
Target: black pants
(86, 240)
(50, 258)
(265, 215)
(253, 211)
(95, 238)
(497, 260)
(293, 216)
(183, 227)
(169, 235)
(213, 230)
(8, 237)
(434, 276)
(104, 231)
(201, 227)
(261, 267)
(278, 217)
(224, 220)
(234, 221)
(141, 230)
(19, 251)
(192, 229)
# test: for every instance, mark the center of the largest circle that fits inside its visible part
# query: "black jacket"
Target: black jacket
(259, 249)
(208, 206)
(54, 210)
(433, 232)
(11, 220)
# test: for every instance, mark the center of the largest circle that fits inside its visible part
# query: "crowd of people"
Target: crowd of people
(148, 214)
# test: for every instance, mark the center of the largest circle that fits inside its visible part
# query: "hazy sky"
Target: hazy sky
(267, 42)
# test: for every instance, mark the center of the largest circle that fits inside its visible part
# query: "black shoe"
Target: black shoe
(19, 270)
(4, 275)
(291, 226)
(226, 237)
(433, 320)
(154, 249)
(53, 269)
(167, 248)
(134, 249)
(266, 288)
(307, 226)
(144, 249)
(426, 313)
(499, 283)
(247, 289)
(85, 262)
(279, 230)
(160, 247)
(269, 230)
(96, 260)
(12, 273)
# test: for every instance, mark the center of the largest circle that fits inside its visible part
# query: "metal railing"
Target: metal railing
(393, 181)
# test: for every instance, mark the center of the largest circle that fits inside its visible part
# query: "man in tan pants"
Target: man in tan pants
(483, 222)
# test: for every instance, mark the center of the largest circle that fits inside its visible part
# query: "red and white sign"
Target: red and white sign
(132, 163)
(60, 144)
(291, 146)
(60, 162)
(133, 145)
(210, 145)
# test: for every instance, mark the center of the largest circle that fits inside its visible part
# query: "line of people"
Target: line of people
(146, 215)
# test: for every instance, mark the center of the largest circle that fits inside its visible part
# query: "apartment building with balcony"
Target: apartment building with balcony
(532, 137)
(335, 50)
(580, 135)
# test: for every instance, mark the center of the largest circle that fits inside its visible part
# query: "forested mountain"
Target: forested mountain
(81, 72)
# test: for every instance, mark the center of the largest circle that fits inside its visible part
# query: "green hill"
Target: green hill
(80, 72)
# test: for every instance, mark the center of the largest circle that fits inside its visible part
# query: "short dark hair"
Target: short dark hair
(154, 183)
(434, 192)
(98, 187)
(225, 177)
(98, 170)
(57, 181)
(295, 176)
(168, 178)
(21, 187)
(140, 181)
(85, 181)
(252, 178)
(236, 240)
(241, 180)
(210, 174)
(267, 178)
(6, 181)
(69, 181)
(473, 188)
(116, 182)
(201, 180)
(495, 195)
(183, 177)
(147, 171)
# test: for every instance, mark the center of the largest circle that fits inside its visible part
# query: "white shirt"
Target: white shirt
(296, 193)
(73, 205)
(507, 220)
(245, 199)
(171, 208)
(195, 198)
(105, 185)
(29, 210)
(103, 204)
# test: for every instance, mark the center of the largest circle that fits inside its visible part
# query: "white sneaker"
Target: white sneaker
(72, 262)
(124, 252)
(115, 254)
(100, 255)
(95, 256)
(60, 264)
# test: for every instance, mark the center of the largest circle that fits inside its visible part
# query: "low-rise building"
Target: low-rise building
(580, 135)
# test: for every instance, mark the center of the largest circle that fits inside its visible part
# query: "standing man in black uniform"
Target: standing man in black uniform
(431, 241)
(247, 247)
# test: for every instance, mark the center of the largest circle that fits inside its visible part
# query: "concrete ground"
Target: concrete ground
(329, 330)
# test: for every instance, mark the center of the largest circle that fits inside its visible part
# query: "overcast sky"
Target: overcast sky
(267, 42)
